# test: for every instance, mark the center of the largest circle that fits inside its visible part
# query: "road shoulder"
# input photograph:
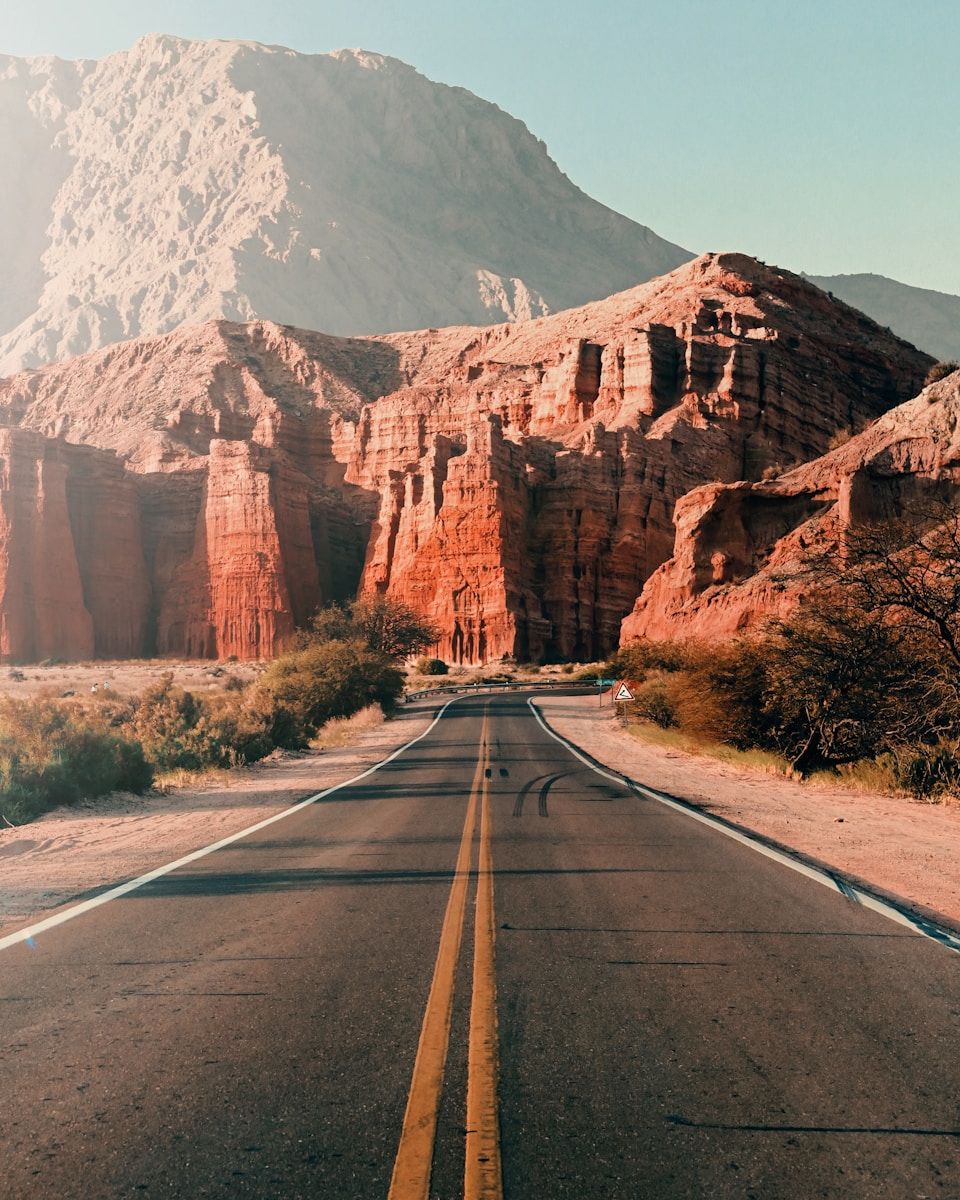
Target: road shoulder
(890, 845)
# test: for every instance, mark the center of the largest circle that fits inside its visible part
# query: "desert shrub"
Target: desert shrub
(634, 660)
(380, 623)
(940, 371)
(239, 727)
(167, 721)
(51, 754)
(723, 694)
(653, 702)
(927, 772)
(431, 666)
(309, 686)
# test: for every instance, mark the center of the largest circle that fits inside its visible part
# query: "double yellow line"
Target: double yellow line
(482, 1173)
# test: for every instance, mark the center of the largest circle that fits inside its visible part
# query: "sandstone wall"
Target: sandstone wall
(746, 552)
(72, 577)
(516, 484)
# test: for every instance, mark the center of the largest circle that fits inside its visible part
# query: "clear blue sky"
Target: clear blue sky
(823, 136)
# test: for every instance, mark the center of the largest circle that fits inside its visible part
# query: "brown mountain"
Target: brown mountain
(202, 492)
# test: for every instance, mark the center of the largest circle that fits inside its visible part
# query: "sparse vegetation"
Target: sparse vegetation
(863, 680)
(940, 371)
(53, 753)
(431, 666)
(60, 751)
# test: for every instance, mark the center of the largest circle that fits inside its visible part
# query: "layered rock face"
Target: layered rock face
(743, 550)
(515, 483)
(183, 181)
(73, 582)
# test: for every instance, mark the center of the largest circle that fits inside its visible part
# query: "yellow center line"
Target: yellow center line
(411, 1169)
(483, 1178)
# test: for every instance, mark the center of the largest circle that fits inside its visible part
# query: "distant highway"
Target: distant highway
(483, 970)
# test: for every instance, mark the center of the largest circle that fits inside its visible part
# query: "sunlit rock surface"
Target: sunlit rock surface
(516, 483)
(184, 181)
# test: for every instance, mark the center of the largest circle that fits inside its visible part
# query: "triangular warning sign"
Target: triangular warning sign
(622, 692)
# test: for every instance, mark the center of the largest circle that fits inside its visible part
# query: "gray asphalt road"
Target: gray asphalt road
(678, 1016)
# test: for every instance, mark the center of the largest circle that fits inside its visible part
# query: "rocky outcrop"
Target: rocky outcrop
(746, 552)
(515, 483)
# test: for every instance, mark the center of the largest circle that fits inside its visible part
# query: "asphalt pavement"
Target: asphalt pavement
(484, 969)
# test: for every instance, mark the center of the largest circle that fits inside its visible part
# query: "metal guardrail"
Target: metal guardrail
(509, 685)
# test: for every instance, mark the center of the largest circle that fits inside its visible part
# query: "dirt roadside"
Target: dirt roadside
(889, 844)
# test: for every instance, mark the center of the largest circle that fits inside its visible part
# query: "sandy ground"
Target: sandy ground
(892, 845)
(123, 679)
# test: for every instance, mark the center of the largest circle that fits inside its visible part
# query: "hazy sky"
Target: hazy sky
(822, 136)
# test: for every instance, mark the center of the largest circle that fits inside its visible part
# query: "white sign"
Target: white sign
(622, 692)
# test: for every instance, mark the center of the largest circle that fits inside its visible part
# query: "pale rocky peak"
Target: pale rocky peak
(181, 181)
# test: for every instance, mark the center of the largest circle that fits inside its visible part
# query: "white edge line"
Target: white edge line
(76, 910)
(938, 933)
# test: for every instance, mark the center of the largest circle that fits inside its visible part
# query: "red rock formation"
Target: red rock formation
(742, 550)
(516, 483)
(72, 577)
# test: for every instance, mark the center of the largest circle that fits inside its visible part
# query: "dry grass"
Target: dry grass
(203, 779)
(867, 777)
(342, 730)
(675, 739)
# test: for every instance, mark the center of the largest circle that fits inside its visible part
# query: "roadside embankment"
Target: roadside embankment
(70, 852)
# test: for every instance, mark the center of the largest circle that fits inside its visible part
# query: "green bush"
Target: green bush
(310, 686)
(239, 727)
(380, 623)
(169, 723)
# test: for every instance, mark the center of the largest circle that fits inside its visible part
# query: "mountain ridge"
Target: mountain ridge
(928, 318)
(182, 181)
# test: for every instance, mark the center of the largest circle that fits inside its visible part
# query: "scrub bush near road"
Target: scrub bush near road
(863, 677)
(52, 754)
(310, 686)
(431, 666)
(60, 752)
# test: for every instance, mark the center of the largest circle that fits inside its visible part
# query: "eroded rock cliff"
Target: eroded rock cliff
(745, 552)
(516, 483)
